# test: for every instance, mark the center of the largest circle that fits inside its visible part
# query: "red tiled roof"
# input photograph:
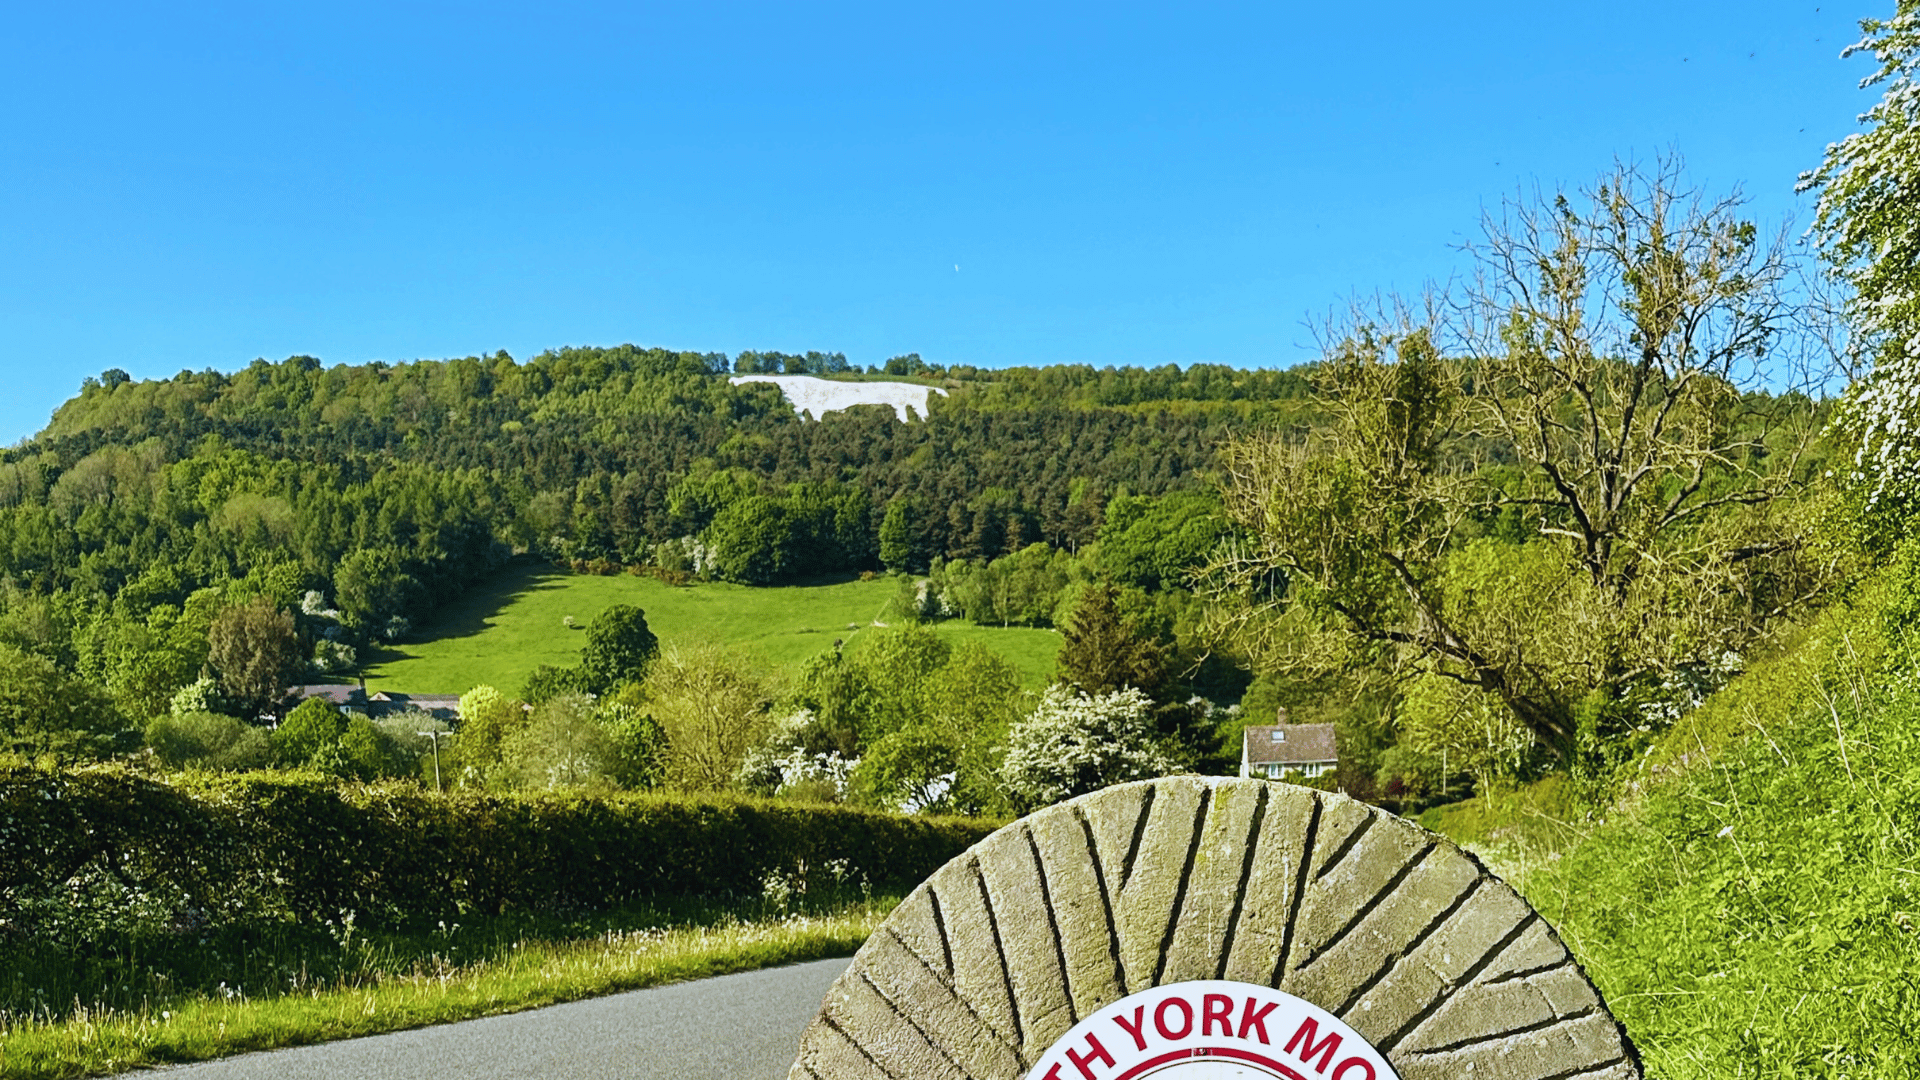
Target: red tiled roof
(1298, 744)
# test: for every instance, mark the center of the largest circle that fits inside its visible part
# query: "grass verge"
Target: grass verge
(394, 982)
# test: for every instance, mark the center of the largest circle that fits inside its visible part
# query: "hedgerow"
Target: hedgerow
(108, 850)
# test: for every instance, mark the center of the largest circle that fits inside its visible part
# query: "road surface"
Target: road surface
(733, 1027)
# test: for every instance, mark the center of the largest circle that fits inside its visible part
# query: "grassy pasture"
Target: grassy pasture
(497, 633)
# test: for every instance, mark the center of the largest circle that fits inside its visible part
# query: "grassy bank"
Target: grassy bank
(1749, 901)
(498, 632)
(121, 1011)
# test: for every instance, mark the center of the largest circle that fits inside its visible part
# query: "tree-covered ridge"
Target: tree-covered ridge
(578, 452)
(147, 508)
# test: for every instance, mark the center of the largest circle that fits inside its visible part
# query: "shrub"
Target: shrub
(1074, 743)
(313, 726)
(208, 740)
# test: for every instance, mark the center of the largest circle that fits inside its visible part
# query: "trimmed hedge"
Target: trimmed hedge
(106, 847)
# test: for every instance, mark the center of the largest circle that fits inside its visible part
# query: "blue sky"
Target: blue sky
(196, 185)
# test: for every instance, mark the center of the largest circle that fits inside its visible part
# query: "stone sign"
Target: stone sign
(1193, 928)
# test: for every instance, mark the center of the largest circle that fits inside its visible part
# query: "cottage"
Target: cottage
(1274, 750)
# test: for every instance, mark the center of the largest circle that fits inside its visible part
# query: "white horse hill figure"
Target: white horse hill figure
(813, 397)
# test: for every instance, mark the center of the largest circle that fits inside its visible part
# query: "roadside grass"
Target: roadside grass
(499, 631)
(310, 991)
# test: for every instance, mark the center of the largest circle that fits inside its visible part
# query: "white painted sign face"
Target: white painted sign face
(1212, 1030)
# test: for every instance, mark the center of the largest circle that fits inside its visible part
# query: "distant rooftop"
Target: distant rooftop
(1291, 745)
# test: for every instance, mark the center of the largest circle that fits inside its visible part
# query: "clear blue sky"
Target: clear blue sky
(195, 185)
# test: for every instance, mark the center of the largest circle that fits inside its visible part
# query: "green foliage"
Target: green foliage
(972, 703)
(364, 752)
(548, 682)
(208, 740)
(637, 744)
(201, 996)
(199, 696)
(924, 718)
(619, 647)
(46, 713)
(1450, 730)
(1775, 867)
(562, 745)
(713, 703)
(256, 654)
(408, 750)
(148, 507)
(750, 541)
(92, 852)
(1030, 587)
(311, 729)
(1151, 543)
(900, 550)
(1577, 474)
(912, 769)
(488, 721)
(373, 589)
(1102, 651)
(1867, 199)
(900, 666)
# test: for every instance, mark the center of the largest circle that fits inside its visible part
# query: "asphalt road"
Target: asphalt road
(734, 1027)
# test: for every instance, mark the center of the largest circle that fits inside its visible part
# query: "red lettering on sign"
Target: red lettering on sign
(1216, 1009)
(1252, 1020)
(1354, 1063)
(1308, 1033)
(1133, 1029)
(1095, 1052)
(1186, 1018)
(1053, 1073)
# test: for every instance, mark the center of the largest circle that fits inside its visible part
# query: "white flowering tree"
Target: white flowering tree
(1073, 743)
(1868, 226)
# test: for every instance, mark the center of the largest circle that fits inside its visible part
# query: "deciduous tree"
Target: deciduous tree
(255, 653)
(713, 704)
(1583, 470)
(1869, 184)
(44, 712)
(620, 645)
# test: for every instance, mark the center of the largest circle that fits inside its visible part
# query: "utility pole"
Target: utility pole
(435, 736)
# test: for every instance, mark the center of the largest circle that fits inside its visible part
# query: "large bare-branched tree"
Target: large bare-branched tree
(1573, 473)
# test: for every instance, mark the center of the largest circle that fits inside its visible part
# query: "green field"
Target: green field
(498, 632)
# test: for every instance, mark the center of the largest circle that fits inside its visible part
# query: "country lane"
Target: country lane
(732, 1027)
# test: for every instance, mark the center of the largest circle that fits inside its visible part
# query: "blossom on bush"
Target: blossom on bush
(1073, 743)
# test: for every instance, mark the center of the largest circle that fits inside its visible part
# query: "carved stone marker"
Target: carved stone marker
(1193, 928)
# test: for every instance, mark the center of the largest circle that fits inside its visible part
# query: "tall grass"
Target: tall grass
(1750, 903)
(136, 1003)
